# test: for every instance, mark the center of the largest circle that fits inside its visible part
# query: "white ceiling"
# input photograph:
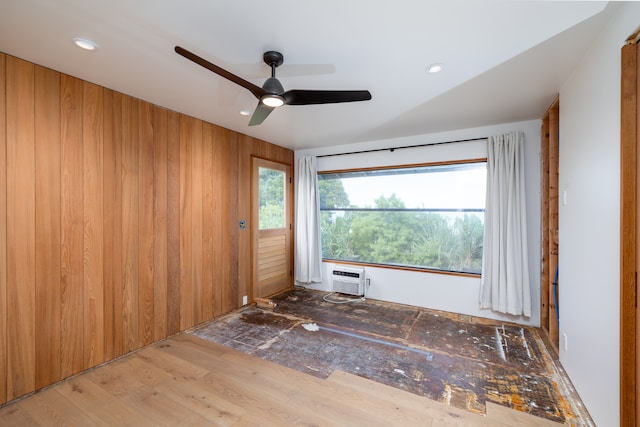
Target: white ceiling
(504, 60)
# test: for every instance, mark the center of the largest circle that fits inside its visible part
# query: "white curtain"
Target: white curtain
(505, 271)
(308, 247)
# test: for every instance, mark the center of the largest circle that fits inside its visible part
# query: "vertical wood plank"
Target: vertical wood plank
(130, 201)
(248, 148)
(197, 176)
(554, 124)
(186, 246)
(208, 240)
(145, 224)
(173, 223)
(544, 224)
(629, 140)
(291, 214)
(48, 220)
(3, 232)
(221, 215)
(230, 290)
(72, 347)
(112, 181)
(92, 134)
(20, 227)
(160, 230)
(627, 294)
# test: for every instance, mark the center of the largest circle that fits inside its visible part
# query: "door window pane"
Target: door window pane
(271, 187)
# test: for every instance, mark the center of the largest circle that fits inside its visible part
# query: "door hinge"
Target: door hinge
(289, 180)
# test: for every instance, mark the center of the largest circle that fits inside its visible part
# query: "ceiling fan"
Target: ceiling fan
(272, 95)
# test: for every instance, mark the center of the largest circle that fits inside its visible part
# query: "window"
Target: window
(423, 217)
(271, 187)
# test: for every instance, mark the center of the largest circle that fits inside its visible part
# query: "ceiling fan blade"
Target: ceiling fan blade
(306, 97)
(257, 91)
(261, 112)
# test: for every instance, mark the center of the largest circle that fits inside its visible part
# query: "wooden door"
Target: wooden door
(271, 227)
(629, 236)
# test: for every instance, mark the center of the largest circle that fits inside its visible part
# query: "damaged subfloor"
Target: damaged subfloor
(446, 357)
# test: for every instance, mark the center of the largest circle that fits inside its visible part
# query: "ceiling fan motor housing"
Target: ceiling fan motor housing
(273, 85)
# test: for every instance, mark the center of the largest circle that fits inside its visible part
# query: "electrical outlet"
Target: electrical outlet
(245, 300)
(368, 282)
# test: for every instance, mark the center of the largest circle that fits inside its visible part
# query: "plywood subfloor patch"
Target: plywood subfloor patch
(429, 353)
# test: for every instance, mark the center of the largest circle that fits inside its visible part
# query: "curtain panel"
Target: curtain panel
(308, 246)
(505, 286)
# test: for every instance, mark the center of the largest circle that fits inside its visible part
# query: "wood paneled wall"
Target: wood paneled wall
(118, 223)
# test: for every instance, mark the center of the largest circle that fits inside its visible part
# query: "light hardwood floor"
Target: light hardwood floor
(185, 381)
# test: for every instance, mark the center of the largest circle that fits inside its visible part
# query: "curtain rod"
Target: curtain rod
(392, 149)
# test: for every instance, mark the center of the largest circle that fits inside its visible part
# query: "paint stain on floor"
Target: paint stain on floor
(435, 354)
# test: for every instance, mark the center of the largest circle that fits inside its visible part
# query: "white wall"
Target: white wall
(590, 221)
(440, 291)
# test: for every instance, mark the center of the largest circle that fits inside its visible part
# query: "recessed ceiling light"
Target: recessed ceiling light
(85, 44)
(435, 68)
(245, 112)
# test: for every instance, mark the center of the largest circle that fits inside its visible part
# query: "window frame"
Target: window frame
(404, 166)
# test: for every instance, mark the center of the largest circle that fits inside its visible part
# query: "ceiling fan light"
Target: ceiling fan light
(272, 101)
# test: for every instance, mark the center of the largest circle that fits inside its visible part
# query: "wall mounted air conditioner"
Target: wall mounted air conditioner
(348, 280)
